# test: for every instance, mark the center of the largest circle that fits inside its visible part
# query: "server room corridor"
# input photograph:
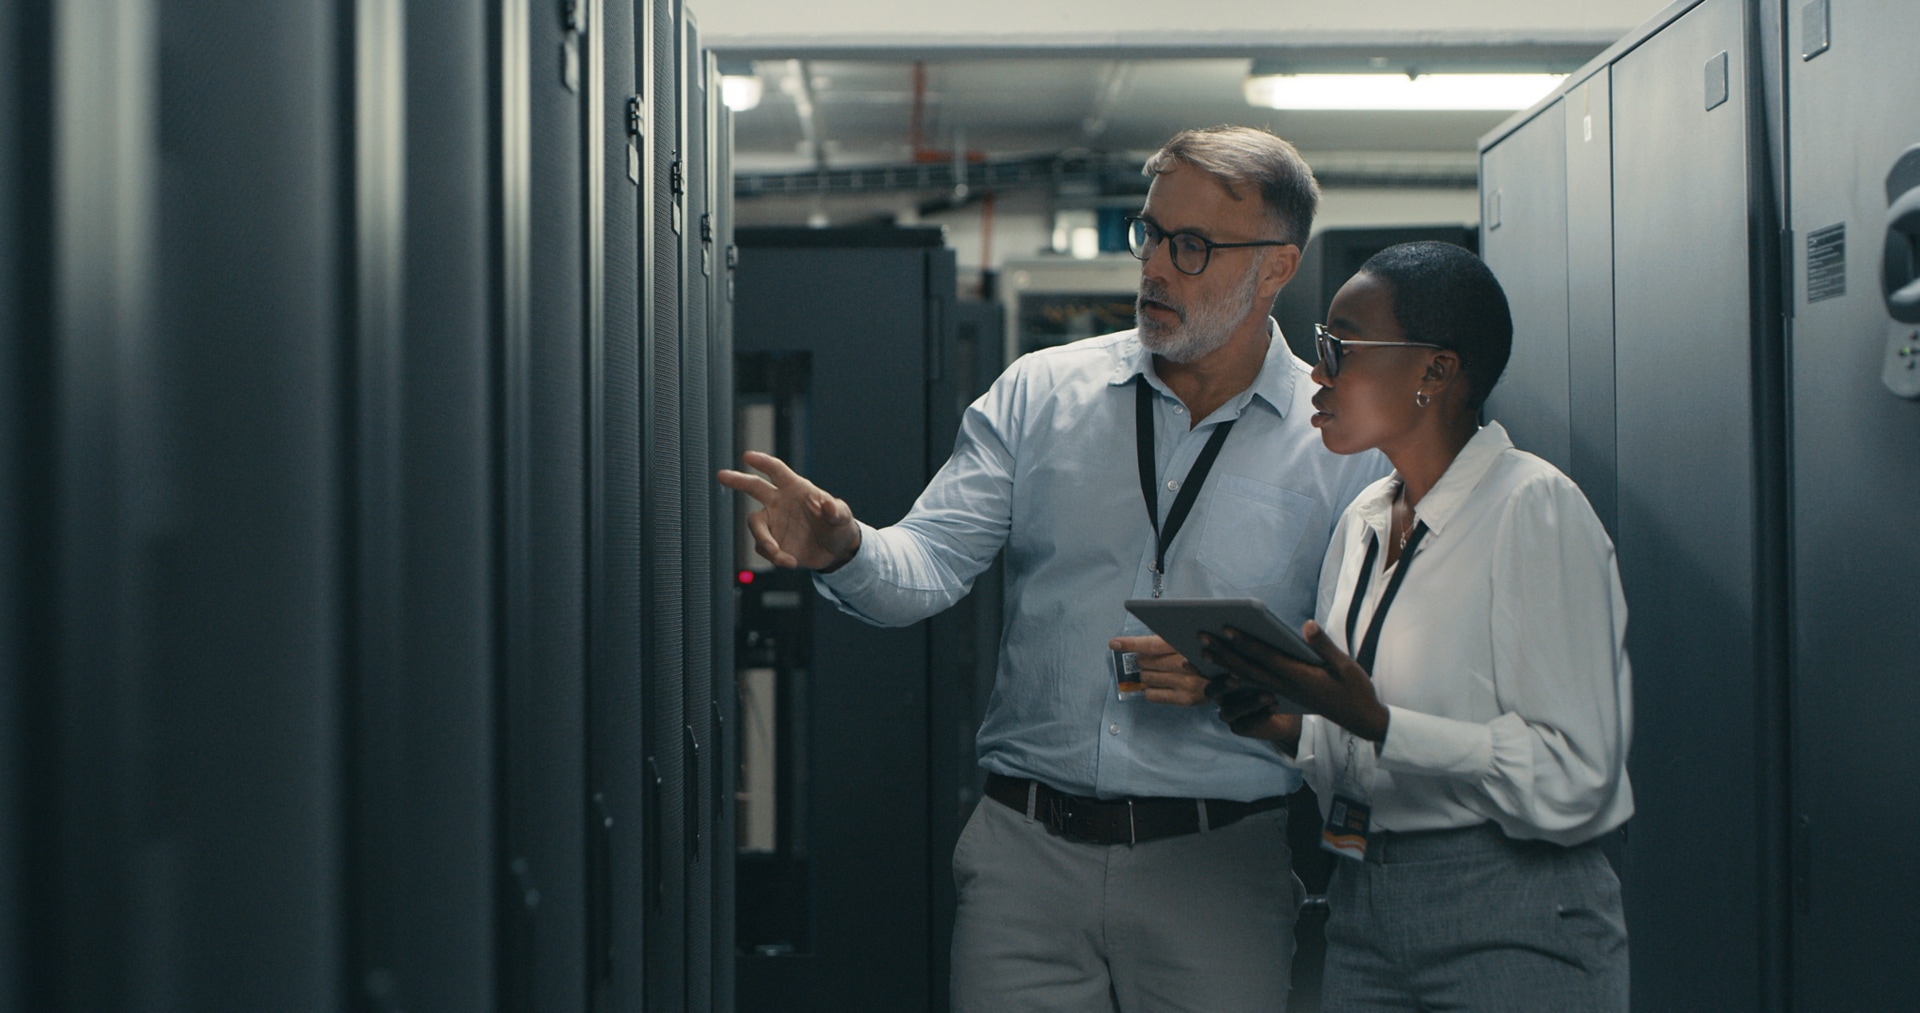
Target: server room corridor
(376, 636)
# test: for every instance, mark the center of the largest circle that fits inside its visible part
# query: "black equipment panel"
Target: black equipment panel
(544, 704)
(696, 424)
(1688, 502)
(1329, 261)
(719, 264)
(21, 314)
(1856, 559)
(868, 315)
(420, 691)
(341, 426)
(664, 608)
(1525, 223)
(181, 793)
(1591, 459)
(616, 801)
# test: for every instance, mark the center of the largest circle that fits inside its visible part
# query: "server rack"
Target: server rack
(327, 464)
(1725, 342)
(724, 259)
(702, 708)
(841, 328)
(1634, 370)
(177, 810)
(664, 607)
(419, 762)
(19, 316)
(1851, 170)
(616, 794)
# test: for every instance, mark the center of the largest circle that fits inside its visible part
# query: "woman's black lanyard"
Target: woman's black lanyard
(1365, 657)
(1149, 478)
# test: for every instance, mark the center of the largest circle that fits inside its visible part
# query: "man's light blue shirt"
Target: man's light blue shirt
(1046, 465)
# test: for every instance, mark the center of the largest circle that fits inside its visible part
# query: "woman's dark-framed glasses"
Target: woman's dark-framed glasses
(1190, 251)
(1331, 347)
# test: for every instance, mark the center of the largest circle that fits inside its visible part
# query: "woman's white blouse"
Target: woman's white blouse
(1502, 660)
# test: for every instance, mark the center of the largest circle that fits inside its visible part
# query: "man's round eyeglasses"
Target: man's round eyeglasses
(1332, 347)
(1190, 251)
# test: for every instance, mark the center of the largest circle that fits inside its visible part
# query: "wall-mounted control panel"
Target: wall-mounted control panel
(1900, 276)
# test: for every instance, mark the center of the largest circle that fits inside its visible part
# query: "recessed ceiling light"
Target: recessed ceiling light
(1399, 91)
(740, 86)
(741, 92)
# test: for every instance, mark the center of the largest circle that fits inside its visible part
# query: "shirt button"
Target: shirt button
(1113, 729)
(1179, 409)
(1172, 485)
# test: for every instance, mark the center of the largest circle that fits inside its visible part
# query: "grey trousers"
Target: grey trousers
(1471, 920)
(1202, 922)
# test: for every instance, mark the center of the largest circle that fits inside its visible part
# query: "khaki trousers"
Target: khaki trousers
(1201, 922)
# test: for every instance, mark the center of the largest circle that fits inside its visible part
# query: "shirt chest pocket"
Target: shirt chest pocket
(1253, 530)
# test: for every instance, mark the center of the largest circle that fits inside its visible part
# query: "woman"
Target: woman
(1468, 735)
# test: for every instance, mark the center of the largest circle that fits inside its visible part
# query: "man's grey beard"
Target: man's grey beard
(1202, 329)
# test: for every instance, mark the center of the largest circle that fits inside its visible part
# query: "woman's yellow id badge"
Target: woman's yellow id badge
(1346, 830)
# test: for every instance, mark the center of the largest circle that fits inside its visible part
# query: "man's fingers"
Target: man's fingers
(753, 485)
(1174, 688)
(1145, 647)
(765, 544)
(829, 508)
(772, 467)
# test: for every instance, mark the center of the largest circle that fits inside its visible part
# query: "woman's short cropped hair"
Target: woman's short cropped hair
(1448, 297)
(1244, 160)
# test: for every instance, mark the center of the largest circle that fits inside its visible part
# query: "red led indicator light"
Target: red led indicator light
(746, 576)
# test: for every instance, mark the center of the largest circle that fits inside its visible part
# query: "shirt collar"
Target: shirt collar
(1274, 385)
(1447, 495)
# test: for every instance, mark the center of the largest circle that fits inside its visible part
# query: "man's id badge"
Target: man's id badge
(1346, 830)
(1126, 675)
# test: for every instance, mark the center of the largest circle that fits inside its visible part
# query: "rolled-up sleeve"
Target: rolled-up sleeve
(922, 565)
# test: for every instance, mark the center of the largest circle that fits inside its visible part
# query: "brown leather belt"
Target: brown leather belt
(1120, 820)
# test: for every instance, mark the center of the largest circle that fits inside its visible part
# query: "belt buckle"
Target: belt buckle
(1057, 814)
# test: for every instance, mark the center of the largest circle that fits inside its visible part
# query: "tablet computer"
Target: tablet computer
(1181, 621)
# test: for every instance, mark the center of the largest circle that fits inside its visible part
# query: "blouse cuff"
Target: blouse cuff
(1302, 755)
(1426, 744)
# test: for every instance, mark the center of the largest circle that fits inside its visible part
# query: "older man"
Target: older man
(1131, 853)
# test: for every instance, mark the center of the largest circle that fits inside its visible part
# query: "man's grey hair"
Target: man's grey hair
(1247, 159)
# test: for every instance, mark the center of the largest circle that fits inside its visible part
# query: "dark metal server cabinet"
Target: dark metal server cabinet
(616, 210)
(718, 257)
(1628, 218)
(1854, 169)
(421, 860)
(177, 480)
(844, 336)
(702, 715)
(665, 768)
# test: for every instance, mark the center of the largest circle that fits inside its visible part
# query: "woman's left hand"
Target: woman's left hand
(1341, 691)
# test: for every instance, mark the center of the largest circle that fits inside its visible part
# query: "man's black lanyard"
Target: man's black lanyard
(1365, 657)
(1149, 477)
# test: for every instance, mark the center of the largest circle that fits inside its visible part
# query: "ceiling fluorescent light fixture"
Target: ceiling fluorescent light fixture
(740, 87)
(1399, 91)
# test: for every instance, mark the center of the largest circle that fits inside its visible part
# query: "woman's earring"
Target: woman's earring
(1420, 399)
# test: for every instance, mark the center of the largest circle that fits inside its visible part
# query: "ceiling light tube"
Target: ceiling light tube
(740, 86)
(1425, 92)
